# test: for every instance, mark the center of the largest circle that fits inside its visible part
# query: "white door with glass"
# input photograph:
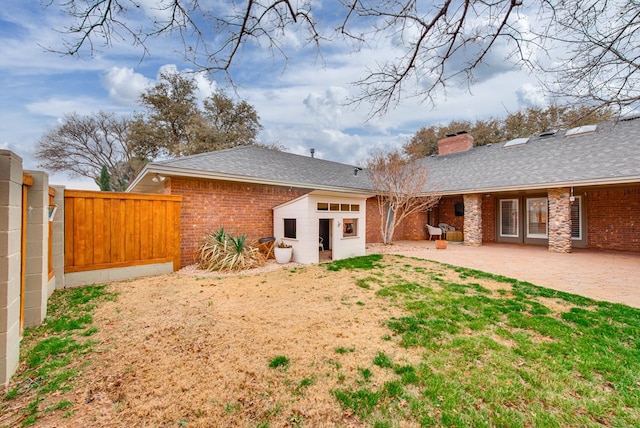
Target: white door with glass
(537, 218)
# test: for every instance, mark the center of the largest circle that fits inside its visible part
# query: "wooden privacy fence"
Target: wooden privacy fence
(106, 230)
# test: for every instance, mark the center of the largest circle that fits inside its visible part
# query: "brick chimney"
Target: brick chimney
(454, 143)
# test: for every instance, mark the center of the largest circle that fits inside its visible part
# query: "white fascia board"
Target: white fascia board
(541, 186)
(183, 172)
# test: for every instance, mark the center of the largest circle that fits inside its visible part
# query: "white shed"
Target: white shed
(331, 221)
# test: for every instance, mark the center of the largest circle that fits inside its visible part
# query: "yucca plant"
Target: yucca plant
(223, 252)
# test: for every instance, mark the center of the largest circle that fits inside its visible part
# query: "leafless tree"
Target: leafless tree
(82, 145)
(600, 57)
(592, 44)
(402, 189)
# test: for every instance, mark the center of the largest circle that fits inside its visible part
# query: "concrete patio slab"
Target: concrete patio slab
(612, 276)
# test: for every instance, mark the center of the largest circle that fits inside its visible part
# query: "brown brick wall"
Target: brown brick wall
(488, 219)
(455, 144)
(613, 218)
(447, 214)
(240, 208)
(412, 228)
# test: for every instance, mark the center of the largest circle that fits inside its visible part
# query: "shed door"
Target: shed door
(325, 232)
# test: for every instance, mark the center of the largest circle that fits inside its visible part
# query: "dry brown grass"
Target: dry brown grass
(196, 349)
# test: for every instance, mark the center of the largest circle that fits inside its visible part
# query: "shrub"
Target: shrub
(222, 252)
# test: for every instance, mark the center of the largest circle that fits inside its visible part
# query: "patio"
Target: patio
(613, 276)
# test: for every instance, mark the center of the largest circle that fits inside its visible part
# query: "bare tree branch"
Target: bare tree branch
(402, 188)
(593, 45)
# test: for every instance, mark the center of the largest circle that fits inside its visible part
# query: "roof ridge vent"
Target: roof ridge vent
(548, 133)
(630, 116)
(581, 130)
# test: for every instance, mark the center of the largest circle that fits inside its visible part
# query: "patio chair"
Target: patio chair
(434, 231)
(321, 244)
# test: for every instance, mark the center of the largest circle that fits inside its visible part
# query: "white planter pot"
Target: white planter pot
(283, 255)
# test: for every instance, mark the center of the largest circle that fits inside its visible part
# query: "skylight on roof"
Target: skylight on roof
(580, 130)
(516, 142)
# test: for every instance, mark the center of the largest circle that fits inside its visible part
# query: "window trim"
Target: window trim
(528, 234)
(353, 221)
(517, 218)
(295, 228)
(578, 203)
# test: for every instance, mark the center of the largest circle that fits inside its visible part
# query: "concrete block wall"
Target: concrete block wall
(10, 260)
(37, 267)
(58, 239)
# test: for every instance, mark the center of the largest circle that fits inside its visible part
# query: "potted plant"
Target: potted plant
(441, 244)
(283, 252)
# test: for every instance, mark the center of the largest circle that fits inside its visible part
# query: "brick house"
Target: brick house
(564, 189)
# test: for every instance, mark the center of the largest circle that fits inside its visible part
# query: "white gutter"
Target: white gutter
(541, 186)
(183, 172)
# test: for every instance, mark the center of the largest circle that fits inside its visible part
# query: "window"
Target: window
(290, 228)
(576, 219)
(537, 218)
(509, 217)
(350, 227)
(326, 206)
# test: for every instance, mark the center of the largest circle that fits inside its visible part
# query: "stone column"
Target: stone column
(559, 220)
(473, 220)
(10, 247)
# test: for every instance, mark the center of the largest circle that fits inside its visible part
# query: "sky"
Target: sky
(302, 103)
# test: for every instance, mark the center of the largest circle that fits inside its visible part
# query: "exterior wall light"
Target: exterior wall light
(157, 178)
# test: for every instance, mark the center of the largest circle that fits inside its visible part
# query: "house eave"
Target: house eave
(544, 186)
(141, 182)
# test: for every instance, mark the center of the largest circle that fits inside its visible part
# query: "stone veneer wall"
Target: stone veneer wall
(473, 220)
(559, 220)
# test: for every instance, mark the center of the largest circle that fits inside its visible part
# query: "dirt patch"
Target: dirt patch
(195, 349)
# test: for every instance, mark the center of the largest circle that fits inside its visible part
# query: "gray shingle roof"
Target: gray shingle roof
(265, 165)
(610, 155)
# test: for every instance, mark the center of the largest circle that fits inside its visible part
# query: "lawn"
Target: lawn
(373, 341)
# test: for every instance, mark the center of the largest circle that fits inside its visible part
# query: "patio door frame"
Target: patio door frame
(521, 218)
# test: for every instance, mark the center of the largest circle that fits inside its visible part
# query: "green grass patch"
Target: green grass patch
(364, 263)
(503, 358)
(53, 353)
(279, 361)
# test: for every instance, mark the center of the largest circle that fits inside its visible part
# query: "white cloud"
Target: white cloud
(58, 107)
(124, 85)
(327, 108)
(530, 95)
